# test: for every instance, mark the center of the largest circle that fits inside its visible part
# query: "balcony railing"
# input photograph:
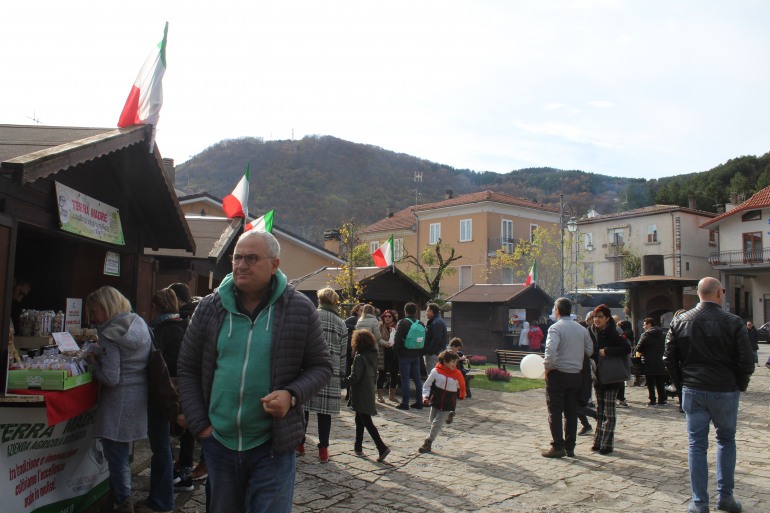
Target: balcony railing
(740, 257)
(615, 250)
(500, 243)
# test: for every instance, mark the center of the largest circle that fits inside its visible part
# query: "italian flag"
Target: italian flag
(146, 96)
(532, 276)
(383, 256)
(237, 203)
(262, 224)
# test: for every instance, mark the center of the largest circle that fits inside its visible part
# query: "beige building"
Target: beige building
(476, 225)
(740, 257)
(667, 238)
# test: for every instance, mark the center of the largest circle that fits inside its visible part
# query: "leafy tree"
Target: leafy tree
(631, 268)
(763, 180)
(347, 279)
(432, 266)
(739, 184)
(545, 249)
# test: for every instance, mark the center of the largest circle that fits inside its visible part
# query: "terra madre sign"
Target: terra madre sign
(88, 217)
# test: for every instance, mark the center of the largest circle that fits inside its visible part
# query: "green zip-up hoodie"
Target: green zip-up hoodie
(243, 371)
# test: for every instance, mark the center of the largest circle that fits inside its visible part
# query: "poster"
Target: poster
(73, 314)
(56, 469)
(86, 216)
(516, 318)
(112, 264)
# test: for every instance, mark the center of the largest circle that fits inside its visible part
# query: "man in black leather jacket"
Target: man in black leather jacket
(709, 355)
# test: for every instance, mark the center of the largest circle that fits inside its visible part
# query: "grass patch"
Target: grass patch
(516, 384)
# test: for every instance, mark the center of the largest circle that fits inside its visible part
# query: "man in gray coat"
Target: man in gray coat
(253, 353)
(566, 345)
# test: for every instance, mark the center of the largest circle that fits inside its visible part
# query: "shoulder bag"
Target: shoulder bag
(614, 369)
(164, 398)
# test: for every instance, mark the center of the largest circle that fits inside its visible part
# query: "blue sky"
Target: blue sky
(623, 88)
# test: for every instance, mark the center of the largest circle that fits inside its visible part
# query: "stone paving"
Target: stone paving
(489, 460)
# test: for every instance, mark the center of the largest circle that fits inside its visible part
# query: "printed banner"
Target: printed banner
(56, 469)
(83, 215)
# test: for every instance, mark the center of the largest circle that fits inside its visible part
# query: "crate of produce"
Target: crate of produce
(46, 379)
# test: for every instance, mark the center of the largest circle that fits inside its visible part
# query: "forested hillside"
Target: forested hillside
(317, 182)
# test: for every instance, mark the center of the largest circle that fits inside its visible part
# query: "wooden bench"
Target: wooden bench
(510, 357)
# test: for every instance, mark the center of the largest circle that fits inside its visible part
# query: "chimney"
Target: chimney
(734, 198)
(449, 194)
(332, 241)
(170, 170)
(691, 203)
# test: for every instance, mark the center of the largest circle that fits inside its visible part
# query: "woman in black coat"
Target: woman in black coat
(651, 345)
(608, 344)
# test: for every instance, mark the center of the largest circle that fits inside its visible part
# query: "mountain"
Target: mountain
(318, 182)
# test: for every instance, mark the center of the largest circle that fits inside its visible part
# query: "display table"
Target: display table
(61, 405)
(48, 452)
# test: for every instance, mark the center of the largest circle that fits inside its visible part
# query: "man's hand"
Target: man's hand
(277, 403)
(205, 433)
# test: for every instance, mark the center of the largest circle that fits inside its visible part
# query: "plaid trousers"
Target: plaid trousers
(606, 397)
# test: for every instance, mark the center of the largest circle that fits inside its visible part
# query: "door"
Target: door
(7, 250)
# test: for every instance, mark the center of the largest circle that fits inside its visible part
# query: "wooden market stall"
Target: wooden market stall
(78, 206)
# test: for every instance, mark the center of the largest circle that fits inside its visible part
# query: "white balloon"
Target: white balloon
(532, 366)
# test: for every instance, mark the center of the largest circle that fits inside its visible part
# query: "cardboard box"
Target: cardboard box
(46, 380)
(32, 342)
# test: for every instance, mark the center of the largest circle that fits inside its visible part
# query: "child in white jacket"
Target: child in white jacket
(444, 386)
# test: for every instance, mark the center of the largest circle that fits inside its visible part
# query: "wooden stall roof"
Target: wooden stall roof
(650, 280)
(498, 293)
(29, 153)
(377, 282)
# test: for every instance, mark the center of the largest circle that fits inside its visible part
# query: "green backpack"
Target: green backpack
(415, 339)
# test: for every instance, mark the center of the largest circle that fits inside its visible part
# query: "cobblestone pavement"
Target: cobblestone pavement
(489, 460)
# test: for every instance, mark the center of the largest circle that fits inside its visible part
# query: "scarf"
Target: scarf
(165, 317)
(454, 374)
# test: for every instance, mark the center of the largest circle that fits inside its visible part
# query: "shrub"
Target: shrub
(495, 374)
(478, 359)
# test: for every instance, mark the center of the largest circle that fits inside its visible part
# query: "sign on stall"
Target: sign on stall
(112, 264)
(74, 314)
(88, 217)
(56, 469)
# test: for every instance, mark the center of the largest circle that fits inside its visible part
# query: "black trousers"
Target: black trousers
(656, 383)
(561, 391)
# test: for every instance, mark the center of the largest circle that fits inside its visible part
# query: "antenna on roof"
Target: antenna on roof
(418, 181)
(35, 119)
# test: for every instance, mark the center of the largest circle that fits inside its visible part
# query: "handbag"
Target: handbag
(164, 397)
(614, 369)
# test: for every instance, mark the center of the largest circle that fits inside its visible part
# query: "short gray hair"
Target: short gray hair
(273, 247)
(564, 306)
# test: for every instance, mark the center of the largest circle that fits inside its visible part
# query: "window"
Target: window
(588, 273)
(532, 229)
(752, 215)
(652, 233)
(687, 266)
(506, 276)
(588, 241)
(435, 233)
(466, 230)
(398, 249)
(752, 246)
(373, 246)
(506, 235)
(615, 236)
(466, 278)
(713, 237)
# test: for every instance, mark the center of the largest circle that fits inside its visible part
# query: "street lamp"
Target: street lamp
(562, 205)
(572, 227)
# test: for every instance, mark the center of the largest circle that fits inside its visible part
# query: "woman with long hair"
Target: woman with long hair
(368, 321)
(388, 321)
(119, 364)
(607, 344)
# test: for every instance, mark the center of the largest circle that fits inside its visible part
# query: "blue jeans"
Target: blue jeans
(703, 408)
(409, 367)
(116, 454)
(162, 463)
(252, 481)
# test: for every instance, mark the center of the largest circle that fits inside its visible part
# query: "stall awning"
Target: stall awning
(31, 153)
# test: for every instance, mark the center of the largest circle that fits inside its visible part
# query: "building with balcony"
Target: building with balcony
(741, 257)
(667, 237)
(476, 225)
